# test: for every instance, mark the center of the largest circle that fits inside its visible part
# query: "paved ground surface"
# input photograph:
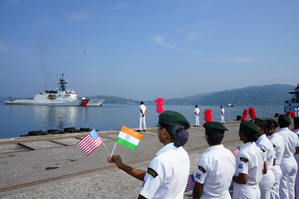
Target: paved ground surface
(56, 168)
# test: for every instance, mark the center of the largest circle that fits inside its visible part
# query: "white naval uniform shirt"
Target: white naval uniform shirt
(250, 161)
(222, 112)
(278, 146)
(167, 174)
(196, 110)
(267, 147)
(143, 108)
(291, 141)
(215, 169)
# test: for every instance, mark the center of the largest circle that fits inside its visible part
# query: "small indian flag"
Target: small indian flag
(128, 138)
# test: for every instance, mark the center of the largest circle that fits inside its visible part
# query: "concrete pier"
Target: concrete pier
(52, 166)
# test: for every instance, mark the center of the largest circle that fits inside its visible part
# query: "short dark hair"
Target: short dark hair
(141, 102)
(215, 137)
(251, 137)
(283, 123)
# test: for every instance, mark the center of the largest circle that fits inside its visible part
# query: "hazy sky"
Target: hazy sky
(144, 49)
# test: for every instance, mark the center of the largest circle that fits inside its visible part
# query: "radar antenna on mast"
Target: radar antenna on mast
(62, 83)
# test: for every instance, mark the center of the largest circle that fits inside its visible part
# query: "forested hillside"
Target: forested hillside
(268, 95)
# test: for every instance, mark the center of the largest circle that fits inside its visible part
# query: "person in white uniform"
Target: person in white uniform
(142, 116)
(296, 111)
(249, 164)
(196, 112)
(215, 167)
(278, 146)
(288, 163)
(296, 155)
(267, 147)
(222, 114)
(167, 173)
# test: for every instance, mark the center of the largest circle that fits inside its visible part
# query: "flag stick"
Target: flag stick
(105, 147)
(113, 149)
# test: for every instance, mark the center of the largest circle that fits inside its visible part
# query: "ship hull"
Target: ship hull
(62, 97)
(290, 106)
(83, 102)
(293, 103)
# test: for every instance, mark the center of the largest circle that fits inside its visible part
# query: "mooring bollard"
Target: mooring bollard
(238, 117)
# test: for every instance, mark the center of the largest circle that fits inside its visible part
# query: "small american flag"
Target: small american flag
(190, 183)
(89, 143)
(236, 151)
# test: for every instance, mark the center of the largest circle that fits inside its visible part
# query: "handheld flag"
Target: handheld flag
(236, 151)
(128, 138)
(89, 143)
(190, 183)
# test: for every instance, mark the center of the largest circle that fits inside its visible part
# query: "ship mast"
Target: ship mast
(295, 93)
(62, 83)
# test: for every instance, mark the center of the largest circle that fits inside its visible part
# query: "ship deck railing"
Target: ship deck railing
(24, 99)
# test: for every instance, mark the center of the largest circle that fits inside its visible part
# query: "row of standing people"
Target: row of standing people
(264, 168)
(260, 169)
(197, 113)
(143, 111)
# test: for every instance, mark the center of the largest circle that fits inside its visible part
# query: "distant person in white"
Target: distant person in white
(142, 117)
(222, 114)
(196, 112)
(296, 111)
(288, 163)
(296, 155)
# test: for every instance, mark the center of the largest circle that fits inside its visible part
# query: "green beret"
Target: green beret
(296, 119)
(260, 121)
(270, 121)
(249, 127)
(214, 126)
(172, 117)
(284, 118)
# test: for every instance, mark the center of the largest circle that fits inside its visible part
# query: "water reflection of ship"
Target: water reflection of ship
(84, 114)
(55, 117)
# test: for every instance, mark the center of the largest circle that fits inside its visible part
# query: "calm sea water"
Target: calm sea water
(18, 120)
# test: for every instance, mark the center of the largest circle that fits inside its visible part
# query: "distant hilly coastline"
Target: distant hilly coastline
(267, 95)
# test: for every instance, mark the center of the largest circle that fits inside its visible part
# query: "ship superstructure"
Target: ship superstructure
(293, 103)
(61, 97)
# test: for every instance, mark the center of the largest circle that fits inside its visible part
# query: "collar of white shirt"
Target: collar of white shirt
(261, 138)
(166, 148)
(220, 146)
(281, 129)
(248, 143)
